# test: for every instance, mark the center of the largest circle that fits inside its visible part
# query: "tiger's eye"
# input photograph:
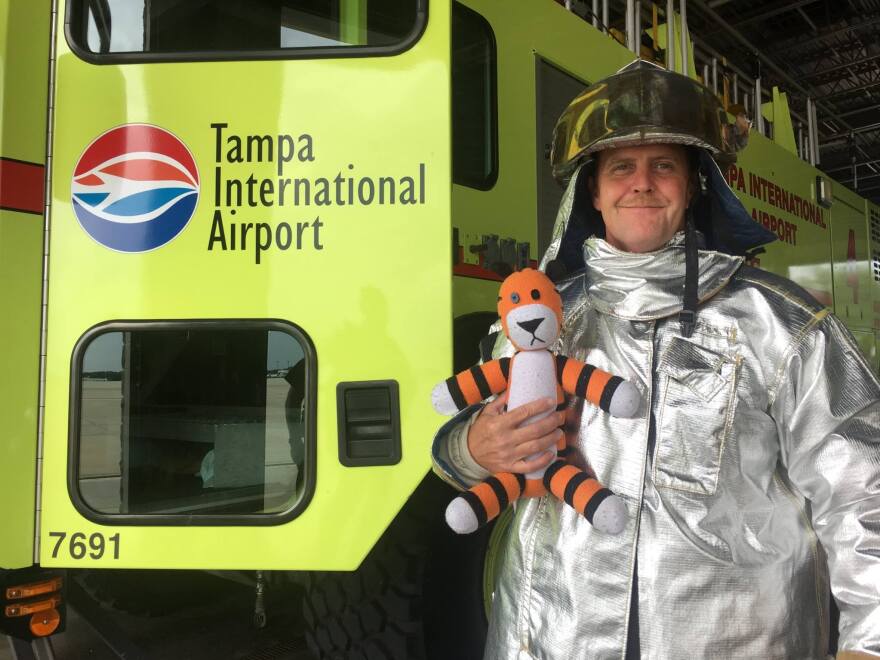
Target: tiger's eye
(536, 295)
(514, 297)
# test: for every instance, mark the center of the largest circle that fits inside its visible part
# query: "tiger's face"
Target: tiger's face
(530, 309)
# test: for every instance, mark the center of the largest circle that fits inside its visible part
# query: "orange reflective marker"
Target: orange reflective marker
(33, 589)
(23, 609)
(45, 623)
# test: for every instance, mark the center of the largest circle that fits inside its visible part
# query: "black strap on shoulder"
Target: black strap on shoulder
(753, 253)
(487, 343)
(687, 318)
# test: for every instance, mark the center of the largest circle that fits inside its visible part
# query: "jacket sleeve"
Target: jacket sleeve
(826, 403)
(450, 456)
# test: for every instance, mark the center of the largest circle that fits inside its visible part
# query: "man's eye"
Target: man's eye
(664, 166)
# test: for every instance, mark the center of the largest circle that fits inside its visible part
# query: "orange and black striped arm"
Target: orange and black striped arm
(586, 381)
(479, 382)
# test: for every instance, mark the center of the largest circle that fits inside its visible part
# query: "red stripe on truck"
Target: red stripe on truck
(22, 186)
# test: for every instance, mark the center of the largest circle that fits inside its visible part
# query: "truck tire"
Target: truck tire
(417, 596)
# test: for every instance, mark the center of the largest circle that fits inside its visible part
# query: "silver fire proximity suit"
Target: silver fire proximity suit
(751, 474)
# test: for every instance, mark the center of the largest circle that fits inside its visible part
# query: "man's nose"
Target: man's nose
(642, 180)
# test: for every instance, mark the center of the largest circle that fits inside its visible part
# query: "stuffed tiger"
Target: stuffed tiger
(531, 315)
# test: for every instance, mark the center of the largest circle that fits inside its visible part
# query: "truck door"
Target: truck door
(248, 279)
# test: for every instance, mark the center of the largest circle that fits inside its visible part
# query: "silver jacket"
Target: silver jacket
(751, 476)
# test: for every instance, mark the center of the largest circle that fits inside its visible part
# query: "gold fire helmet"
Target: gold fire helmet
(641, 104)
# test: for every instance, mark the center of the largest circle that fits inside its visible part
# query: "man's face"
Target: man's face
(642, 193)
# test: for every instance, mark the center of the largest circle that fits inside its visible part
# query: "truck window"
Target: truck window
(229, 29)
(474, 100)
(554, 89)
(192, 419)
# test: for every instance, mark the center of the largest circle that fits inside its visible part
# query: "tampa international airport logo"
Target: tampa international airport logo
(135, 188)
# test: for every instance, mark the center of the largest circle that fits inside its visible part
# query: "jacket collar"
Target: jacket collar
(649, 285)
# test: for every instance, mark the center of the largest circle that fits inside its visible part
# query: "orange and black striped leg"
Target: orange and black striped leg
(602, 508)
(483, 502)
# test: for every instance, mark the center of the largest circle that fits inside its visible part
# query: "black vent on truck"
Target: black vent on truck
(368, 417)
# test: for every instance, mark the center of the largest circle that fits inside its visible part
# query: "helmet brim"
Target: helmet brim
(641, 104)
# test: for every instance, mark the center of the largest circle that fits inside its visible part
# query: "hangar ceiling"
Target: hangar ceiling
(828, 50)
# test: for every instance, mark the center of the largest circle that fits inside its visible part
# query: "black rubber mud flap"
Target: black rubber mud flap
(417, 595)
(150, 592)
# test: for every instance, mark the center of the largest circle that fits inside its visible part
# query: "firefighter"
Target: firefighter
(751, 476)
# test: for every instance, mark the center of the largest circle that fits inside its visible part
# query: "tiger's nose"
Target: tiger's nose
(531, 325)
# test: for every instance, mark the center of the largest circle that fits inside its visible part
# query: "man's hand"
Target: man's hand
(497, 444)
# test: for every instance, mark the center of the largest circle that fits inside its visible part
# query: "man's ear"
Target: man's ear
(593, 187)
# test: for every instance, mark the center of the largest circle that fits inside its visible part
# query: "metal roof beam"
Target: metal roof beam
(864, 23)
(860, 129)
(862, 191)
(849, 90)
(852, 76)
(840, 82)
(824, 52)
(832, 69)
(781, 8)
(849, 166)
(860, 177)
(807, 19)
(856, 111)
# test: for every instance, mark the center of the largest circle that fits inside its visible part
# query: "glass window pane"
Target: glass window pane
(234, 26)
(474, 107)
(193, 420)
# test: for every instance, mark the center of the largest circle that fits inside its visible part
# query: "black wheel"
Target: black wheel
(417, 596)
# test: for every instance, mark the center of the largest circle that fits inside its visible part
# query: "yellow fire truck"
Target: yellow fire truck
(239, 243)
